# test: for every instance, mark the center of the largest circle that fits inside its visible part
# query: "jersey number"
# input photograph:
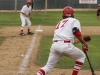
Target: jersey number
(63, 23)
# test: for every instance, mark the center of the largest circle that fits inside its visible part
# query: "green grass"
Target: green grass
(87, 18)
(1, 39)
(65, 62)
(50, 18)
(9, 19)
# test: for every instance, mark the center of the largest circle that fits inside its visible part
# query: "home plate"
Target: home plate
(39, 30)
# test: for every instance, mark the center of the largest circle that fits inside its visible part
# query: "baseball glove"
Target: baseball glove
(87, 38)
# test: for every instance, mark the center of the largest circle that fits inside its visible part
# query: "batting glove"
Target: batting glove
(85, 47)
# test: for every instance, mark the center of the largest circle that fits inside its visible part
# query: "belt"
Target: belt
(65, 41)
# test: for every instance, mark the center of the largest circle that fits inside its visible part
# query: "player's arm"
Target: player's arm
(78, 35)
(85, 38)
(24, 14)
(76, 41)
(30, 15)
(23, 10)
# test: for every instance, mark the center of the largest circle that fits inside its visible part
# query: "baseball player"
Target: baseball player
(24, 14)
(63, 43)
(98, 12)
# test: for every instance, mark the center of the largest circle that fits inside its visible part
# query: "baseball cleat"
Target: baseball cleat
(22, 34)
(30, 33)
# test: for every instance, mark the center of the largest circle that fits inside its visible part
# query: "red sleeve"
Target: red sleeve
(78, 34)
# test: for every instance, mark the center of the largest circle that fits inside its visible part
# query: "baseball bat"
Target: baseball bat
(92, 70)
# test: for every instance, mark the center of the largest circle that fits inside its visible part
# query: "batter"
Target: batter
(24, 14)
(63, 43)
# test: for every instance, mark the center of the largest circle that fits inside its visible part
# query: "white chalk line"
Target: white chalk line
(27, 55)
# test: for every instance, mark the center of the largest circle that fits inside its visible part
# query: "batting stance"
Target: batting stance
(63, 43)
(24, 14)
(98, 12)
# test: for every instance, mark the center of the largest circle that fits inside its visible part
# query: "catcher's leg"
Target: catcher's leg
(52, 60)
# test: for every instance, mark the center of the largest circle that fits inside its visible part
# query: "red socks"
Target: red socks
(77, 67)
(22, 28)
(41, 72)
(28, 29)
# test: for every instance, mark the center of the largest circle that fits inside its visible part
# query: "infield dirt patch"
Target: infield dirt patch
(15, 45)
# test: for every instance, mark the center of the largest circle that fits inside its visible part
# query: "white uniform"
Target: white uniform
(25, 19)
(59, 48)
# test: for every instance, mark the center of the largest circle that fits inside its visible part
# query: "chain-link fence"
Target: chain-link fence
(43, 4)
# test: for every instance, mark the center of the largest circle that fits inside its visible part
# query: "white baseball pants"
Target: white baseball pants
(58, 50)
(25, 20)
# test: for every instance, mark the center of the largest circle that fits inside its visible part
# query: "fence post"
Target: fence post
(15, 5)
(45, 4)
(32, 4)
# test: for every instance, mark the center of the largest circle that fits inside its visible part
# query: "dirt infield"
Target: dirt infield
(14, 49)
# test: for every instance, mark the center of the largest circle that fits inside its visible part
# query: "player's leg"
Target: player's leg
(52, 60)
(28, 26)
(79, 56)
(23, 24)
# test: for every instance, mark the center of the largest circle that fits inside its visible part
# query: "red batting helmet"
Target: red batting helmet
(28, 1)
(68, 12)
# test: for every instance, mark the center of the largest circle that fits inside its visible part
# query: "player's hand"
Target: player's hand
(85, 47)
(26, 15)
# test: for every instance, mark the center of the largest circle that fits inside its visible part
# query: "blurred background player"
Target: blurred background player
(63, 43)
(24, 14)
(98, 12)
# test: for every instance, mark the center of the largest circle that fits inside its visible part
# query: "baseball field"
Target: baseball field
(25, 55)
